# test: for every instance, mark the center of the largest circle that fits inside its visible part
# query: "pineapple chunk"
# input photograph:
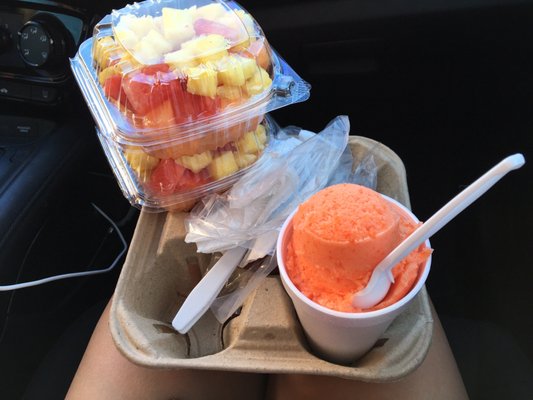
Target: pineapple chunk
(196, 162)
(244, 160)
(229, 92)
(202, 80)
(245, 25)
(235, 70)
(258, 83)
(207, 48)
(223, 165)
(106, 73)
(238, 46)
(158, 41)
(260, 134)
(249, 143)
(125, 36)
(150, 49)
(178, 24)
(249, 67)
(145, 54)
(126, 64)
(139, 25)
(103, 49)
(140, 162)
(211, 11)
(230, 71)
(181, 59)
(248, 22)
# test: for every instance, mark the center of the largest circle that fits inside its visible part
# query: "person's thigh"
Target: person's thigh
(437, 378)
(104, 373)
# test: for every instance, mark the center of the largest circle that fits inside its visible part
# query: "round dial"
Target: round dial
(35, 44)
(43, 41)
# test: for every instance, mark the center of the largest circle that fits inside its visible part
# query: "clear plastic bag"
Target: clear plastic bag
(298, 164)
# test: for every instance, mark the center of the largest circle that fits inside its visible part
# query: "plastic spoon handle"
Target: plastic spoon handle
(451, 210)
(205, 292)
(434, 224)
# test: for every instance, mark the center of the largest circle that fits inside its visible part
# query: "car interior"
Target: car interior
(447, 85)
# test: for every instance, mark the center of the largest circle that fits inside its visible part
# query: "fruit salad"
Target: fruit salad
(172, 67)
(176, 183)
(180, 91)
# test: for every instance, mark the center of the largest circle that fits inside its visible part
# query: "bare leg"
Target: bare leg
(436, 378)
(104, 373)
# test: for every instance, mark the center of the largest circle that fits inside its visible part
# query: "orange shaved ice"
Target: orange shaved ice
(338, 236)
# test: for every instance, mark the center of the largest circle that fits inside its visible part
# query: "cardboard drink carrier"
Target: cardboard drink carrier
(265, 335)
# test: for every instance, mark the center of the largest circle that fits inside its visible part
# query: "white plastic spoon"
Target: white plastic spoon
(381, 278)
(204, 293)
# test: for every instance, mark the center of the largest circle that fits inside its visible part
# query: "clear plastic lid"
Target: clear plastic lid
(165, 70)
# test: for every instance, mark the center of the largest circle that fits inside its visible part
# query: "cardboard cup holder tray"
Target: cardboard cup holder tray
(265, 336)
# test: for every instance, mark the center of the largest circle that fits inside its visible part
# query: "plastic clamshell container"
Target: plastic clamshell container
(265, 337)
(158, 184)
(181, 76)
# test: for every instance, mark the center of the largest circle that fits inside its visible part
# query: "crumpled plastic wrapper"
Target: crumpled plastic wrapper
(297, 164)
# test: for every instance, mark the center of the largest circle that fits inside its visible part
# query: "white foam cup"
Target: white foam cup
(342, 337)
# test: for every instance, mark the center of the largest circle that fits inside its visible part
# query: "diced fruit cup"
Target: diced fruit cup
(177, 183)
(178, 66)
(180, 87)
